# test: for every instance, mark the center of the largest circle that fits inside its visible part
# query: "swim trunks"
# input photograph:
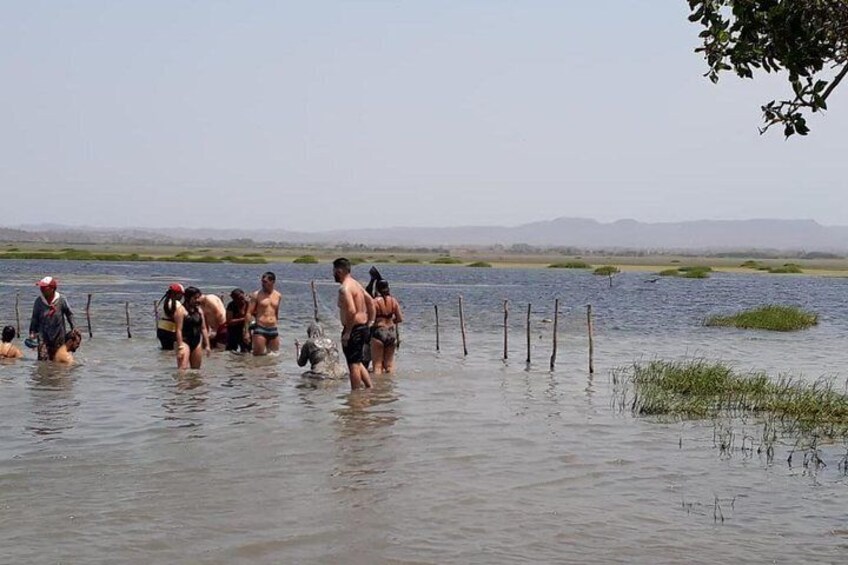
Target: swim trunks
(266, 332)
(387, 335)
(354, 351)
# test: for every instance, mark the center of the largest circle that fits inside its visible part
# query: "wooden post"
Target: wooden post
(18, 311)
(528, 334)
(314, 301)
(462, 327)
(506, 331)
(156, 314)
(436, 307)
(591, 343)
(127, 307)
(556, 323)
(88, 315)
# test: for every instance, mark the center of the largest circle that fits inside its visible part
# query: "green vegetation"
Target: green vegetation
(409, 261)
(691, 272)
(446, 261)
(356, 260)
(751, 264)
(570, 265)
(804, 40)
(606, 271)
(700, 389)
(787, 268)
(245, 260)
(482, 264)
(771, 317)
(306, 260)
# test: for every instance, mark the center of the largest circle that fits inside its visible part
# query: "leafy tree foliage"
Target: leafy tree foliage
(806, 38)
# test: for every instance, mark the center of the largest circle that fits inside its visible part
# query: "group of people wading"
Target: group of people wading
(193, 322)
(190, 323)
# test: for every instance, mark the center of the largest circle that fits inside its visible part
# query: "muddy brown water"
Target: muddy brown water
(451, 460)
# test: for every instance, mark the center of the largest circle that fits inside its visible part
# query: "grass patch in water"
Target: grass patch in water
(772, 317)
(788, 268)
(481, 264)
(446, 261)
(701, 389)
(687, 272)
(244, 260)
(409, 261)
(570, 265)
(306, 260)
(606, 271)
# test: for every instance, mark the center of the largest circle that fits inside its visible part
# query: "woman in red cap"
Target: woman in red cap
(48, 319)
(166, 329)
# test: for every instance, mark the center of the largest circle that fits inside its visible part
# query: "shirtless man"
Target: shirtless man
(64, 354)
(356, 310)
(216, 318)
(7, 348)
(264, 309)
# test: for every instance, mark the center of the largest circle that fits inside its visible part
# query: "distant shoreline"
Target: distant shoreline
(456, 258)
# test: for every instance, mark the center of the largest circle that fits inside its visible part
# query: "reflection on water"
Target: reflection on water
(52, 401)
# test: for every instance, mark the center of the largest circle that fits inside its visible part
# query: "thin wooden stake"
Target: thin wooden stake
(127, 307)
(556, 323)
(18, 311)
(506, 331)
(436, 307)
(314, 301)
(528, 334)
(591, 341)
(462, 327)
(88, 316)
(156, 313)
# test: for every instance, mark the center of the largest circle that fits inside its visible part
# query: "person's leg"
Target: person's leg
(274, 344)
(377, 356)
(182, 357)
(364, 376)
(258, 344)
(389, 358)
(196, 357)
(355, 379)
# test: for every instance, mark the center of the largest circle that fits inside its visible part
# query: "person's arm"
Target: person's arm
(179, 317)
(398, 313)
(303, 357)
(35, 322)
(248, 316)
(204, 331)
(370, 309)
(348, 310)
(69, 315)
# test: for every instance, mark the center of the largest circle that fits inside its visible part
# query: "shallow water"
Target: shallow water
(469, 460)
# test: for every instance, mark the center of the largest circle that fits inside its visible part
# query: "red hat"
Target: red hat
(176, 288)
(47, 282)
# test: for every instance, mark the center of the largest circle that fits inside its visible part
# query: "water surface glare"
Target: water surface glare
(452, 460)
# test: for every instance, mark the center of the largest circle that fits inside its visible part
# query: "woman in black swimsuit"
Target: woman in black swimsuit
(191, 332)
(384, 332)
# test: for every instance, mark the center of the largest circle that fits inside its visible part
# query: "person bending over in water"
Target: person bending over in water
(166, 330)
(321, 354)
(191, 331)
(65, 353)
(264, 310)
(216, 318)
(48, 319)
(7, 349)
(236, 312)
(384, 331)
(356, 310)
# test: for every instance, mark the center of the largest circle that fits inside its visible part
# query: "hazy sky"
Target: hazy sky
(317, 115)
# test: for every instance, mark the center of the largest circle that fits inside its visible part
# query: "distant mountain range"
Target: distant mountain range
(703, 235)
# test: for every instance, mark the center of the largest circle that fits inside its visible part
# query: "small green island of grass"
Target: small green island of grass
(772, 317)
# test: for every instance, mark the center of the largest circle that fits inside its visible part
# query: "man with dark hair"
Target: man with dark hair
(7, 348)
(356, 310)
(48, 319)
(264, 309)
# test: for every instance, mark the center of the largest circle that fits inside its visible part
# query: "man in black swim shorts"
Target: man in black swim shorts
(356, 310)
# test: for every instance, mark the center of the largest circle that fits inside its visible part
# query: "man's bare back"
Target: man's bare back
(214, 311)
(356, 311)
